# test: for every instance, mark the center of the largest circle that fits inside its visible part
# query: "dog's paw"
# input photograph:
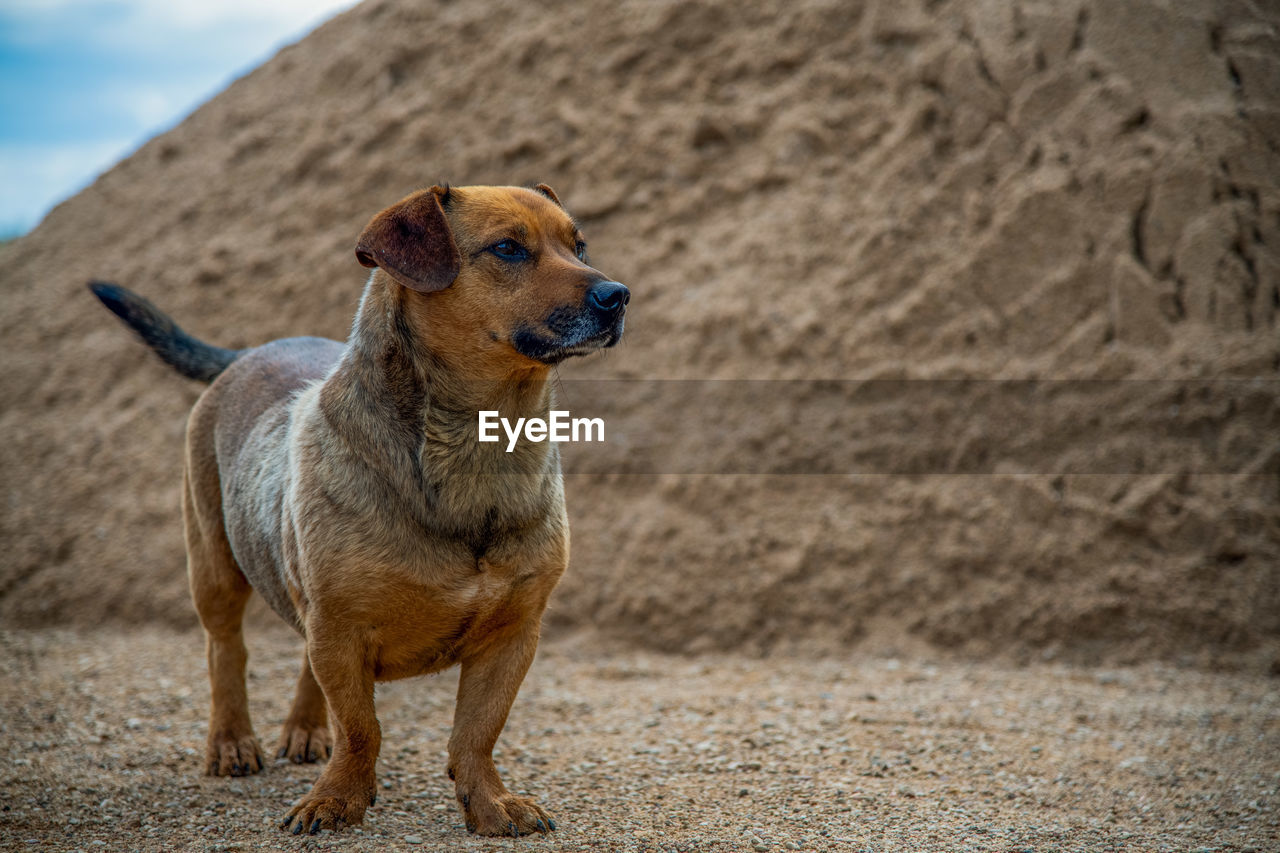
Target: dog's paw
(304, 744)
(228, 755)
(328, 808)
(506, 814)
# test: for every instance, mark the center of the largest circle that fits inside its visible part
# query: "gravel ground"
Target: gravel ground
(102, 736)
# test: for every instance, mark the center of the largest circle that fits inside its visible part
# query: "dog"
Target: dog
(346, 484)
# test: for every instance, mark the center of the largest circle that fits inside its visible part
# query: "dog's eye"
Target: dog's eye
(510, 250)
(580, 249)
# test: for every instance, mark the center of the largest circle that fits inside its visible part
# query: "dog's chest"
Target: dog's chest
(462, 600)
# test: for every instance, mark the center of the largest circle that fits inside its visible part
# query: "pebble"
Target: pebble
(413, 839)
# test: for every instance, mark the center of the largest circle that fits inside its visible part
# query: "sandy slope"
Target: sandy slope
(841, 190)
(103, 733)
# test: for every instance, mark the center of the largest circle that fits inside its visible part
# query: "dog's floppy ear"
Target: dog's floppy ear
(549, 193)
(412, 242)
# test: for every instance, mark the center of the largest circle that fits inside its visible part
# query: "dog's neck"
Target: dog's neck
(418, 402)
(425, 368)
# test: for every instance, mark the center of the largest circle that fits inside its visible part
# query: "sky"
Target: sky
(83, 83)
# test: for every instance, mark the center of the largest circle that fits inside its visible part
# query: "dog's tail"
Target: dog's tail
(192, 358)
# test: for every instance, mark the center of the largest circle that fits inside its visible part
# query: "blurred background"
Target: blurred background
(1044, 192)
(85, 82)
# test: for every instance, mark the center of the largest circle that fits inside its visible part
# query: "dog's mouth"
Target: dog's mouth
(554, 348)
(581, 329)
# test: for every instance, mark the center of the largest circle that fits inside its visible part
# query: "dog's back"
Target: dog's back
(237, 442)
(238, 431)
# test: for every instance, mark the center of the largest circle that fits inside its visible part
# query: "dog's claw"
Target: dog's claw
(334, 811)
(233, 755)
(510, 816)
(304, 743)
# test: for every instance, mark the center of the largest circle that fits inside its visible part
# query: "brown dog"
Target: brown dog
(347, 486)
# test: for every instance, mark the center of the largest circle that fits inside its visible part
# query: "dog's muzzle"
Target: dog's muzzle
(595, 323)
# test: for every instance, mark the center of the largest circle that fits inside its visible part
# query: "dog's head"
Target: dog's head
(497, 271)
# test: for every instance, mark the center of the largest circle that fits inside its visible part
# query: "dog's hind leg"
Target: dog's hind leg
(220, 592)
(306, 734)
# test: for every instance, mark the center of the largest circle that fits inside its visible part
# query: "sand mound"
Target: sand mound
(1074, 190)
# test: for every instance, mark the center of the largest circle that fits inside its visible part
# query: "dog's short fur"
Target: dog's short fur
(347, 486)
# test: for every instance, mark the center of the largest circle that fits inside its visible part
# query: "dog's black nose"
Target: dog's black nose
(608, 296)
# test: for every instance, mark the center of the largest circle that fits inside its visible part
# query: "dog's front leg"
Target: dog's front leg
(347, 786)
(486, 689)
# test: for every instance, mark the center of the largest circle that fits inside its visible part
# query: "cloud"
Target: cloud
(147, 106)
(84, 82)
(190, 15)
(35, 178)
